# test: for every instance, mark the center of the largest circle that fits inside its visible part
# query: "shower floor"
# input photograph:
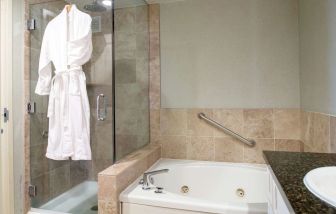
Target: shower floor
(78, 200)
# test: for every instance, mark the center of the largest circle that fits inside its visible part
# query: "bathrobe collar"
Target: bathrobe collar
(74, 9)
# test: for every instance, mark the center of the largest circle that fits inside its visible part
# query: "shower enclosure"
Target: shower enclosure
(117, 83)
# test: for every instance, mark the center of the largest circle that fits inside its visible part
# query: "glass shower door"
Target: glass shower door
(131, 76)
(117, 80)
(56, 182)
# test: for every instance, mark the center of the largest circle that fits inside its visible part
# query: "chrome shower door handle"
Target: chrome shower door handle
(101, 113)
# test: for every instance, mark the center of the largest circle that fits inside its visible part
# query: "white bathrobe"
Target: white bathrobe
(67, 44)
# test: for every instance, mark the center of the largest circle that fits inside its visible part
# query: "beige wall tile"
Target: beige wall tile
(173, 121)
(200, 148)
(129, 174)
(174, 147)
(142, 18)
(332, 134)
(307, 127)
(126, 120)
(107, 188)
(288, 145)
(108, 207)
(230, 118)
(287, 124)
(154, 48)
(113, 180)
(228, 149)
(125, 19)
(321, 136)
(197, 126)
(154, 17)
(154, 122)
(125, 144)
(154, 56)
(155, 139)
(254, 154)
(153, 157)
(125, 45)
(258, 123)
(154, 71)
(307, 148)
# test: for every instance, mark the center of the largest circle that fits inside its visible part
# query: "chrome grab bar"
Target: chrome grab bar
(248, 142)
(101, 113)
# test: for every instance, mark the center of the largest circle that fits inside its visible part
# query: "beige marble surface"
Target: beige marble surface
(113, 180)
(154, 57)
(318, 132)
(184, 136)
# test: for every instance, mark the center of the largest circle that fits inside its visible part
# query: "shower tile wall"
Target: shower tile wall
(132, 79)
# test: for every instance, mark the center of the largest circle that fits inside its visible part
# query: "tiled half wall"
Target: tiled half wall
(184, 136)
(113, 180)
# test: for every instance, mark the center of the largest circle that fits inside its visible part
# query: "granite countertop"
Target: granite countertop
(290, 169)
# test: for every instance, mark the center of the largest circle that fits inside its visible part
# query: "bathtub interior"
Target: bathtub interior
(206, 182)
(81, 199)
(212, 187)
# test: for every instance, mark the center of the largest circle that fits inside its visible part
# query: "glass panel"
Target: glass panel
(57, 181)
(131, 76)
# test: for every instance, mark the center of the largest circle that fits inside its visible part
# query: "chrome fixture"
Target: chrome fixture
(101, 113)
(32, 191)
(248, 142)
(31, 107)
(145, 181)
(45, 134)
(5, 115)
(159, 190)
(31, 24)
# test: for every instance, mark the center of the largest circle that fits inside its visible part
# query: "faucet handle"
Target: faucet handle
(147, 179)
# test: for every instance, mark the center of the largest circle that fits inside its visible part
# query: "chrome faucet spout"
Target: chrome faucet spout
(145, 180)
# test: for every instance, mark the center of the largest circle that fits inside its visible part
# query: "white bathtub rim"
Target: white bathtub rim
(164, 161)
(171, 200)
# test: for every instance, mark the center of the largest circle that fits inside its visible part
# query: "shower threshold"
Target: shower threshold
(78, 200)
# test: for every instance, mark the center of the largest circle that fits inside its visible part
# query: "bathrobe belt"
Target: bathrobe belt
(64, 84)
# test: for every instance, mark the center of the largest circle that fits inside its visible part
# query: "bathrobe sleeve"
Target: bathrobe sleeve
(45, 70)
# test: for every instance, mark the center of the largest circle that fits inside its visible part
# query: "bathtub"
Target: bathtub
(197, 187)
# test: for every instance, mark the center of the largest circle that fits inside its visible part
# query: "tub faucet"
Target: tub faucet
(145, 181)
